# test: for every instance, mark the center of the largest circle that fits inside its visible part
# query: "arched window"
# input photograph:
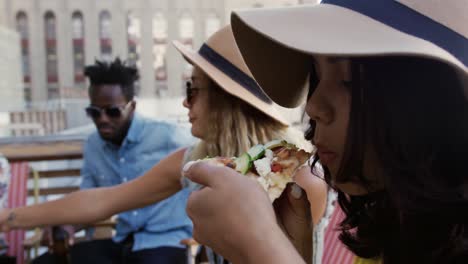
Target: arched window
(186, 32)
(78, 48)
(133, 38)
(51, 55)
(159, 26)
(105, 29)
(212, 24)
(22, 25)
(50, 25)
(23, 30)
(186, 28)
(77, 25)
(160, 29)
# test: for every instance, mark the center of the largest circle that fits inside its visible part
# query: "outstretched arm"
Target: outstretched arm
(87, 206)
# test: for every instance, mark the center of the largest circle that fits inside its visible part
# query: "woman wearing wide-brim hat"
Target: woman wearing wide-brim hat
(229, 113)
(386, 85)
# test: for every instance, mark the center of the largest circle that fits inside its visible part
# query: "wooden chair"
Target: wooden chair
(199, 254)
(102, 230)
(32, 150)
(192, 248)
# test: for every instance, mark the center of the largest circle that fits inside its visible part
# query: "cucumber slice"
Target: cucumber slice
(243, 163)
(256, 152)
(276, 143)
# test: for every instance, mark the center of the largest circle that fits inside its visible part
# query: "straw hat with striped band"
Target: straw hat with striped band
(277, 43)
(221, 60)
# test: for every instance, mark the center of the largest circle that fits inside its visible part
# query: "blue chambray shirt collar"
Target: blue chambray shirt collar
(134, 133)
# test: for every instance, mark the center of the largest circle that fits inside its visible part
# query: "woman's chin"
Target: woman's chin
(196, 133)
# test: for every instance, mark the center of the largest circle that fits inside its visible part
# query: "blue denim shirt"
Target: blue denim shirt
(162, 224)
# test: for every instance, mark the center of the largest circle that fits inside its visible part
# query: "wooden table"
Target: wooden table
(41, 148)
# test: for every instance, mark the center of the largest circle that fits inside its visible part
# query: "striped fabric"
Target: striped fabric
(17, 197)
(335, 251)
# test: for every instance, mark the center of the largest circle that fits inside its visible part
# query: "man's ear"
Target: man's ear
(132, 107)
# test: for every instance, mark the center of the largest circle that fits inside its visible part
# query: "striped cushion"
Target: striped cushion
(17, 195)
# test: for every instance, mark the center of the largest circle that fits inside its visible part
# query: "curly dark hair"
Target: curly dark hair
(414, 115)
(115, 72)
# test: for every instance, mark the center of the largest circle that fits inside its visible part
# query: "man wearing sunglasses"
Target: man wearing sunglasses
(125, 146)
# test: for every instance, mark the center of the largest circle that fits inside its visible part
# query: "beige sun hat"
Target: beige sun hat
(277, 43)
(221, 60)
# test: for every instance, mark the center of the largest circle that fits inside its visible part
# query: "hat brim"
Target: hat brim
(228, 84)
(276, 44)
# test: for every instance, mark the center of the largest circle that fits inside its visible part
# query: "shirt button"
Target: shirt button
(125, 179)
(135, 213)
(122, 160)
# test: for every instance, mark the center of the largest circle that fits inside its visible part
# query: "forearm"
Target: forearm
(80, 207)
(143, 191)
(159, 183)
(92, 205)
(88, 206)
(273, 248)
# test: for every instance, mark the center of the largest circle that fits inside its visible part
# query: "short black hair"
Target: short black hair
(114, 72)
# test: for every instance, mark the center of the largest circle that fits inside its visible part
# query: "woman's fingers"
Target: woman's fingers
(294, 217)
(230, 212)
(199, 206)
(205, 173)
(298, 202)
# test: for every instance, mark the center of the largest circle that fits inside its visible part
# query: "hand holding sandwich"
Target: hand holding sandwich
(234, 216)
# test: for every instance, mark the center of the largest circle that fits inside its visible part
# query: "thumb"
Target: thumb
(204, 173)
(298, 201)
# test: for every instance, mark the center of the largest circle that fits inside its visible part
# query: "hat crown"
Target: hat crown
(274, 37)
(452, 13)
(224, 44)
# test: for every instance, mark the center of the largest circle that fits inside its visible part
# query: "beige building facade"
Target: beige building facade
(59, 37)
(11, 83)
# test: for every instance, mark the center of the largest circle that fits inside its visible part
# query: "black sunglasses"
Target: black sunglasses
(190, 92)
(112, 112)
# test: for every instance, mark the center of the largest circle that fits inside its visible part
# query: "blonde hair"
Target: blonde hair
(236, 126)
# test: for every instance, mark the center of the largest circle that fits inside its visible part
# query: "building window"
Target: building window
(160, 29)
(78, 48)
(51, 55)
(133, 39)
(186, 32)
(212, 24)
(22, 25)
(105, 29)
(23, 30)
(77, 25)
